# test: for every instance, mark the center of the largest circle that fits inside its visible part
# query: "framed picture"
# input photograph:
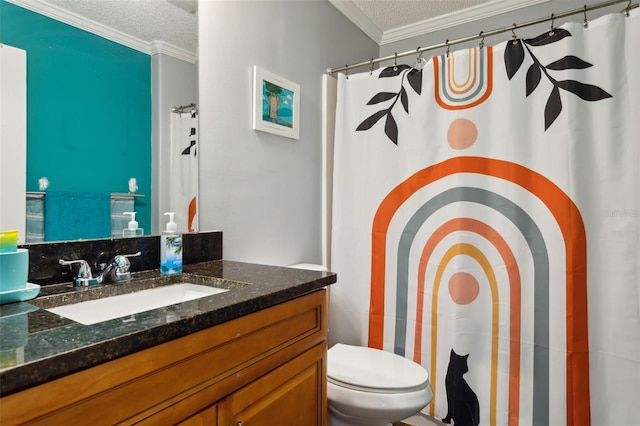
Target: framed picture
(276, 104)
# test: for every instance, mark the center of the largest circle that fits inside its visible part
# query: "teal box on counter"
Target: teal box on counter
(14, 270)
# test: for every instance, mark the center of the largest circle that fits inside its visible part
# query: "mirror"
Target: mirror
(98, 110)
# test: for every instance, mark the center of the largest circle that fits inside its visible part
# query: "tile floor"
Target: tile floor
(420, 419)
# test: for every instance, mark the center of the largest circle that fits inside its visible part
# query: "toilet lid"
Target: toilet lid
(373, 369)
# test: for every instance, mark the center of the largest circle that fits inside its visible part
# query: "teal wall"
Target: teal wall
(88, 108)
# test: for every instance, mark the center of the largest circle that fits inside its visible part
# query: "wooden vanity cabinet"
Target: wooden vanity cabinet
(267, 368)
(290, 395)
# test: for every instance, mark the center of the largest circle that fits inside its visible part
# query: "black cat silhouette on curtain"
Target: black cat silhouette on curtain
(463, 407)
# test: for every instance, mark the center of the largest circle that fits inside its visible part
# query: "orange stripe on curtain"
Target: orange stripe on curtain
(489, 233)
(192, 214)
(571, 225)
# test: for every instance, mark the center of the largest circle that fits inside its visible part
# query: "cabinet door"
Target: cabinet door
(206, 417)
(293, 394)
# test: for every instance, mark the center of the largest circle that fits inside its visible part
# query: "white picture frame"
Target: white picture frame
(276, 104)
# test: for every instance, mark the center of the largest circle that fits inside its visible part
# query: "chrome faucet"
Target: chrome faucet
(117, 270)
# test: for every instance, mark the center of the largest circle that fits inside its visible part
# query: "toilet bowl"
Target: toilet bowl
(367, 386)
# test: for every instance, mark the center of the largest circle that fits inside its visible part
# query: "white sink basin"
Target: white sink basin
(107, 308)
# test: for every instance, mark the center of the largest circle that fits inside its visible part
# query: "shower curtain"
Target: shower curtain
(486, 224)
(183, 170)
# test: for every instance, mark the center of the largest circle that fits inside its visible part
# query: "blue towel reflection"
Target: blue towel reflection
(35, 220)
(77, 215)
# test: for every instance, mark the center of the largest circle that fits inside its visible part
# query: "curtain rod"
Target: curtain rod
(483, 34)
(183, 108)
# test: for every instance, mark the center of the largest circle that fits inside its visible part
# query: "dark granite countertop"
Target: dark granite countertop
(37, 346)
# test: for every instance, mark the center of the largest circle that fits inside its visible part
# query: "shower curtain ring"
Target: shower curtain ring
(371, 67)
(419, 59)
(346, 71)
(552, 30)
(482, 39)
(626, 11)
(448, 47)
(395, 61)
(585, 24)
(514, 37)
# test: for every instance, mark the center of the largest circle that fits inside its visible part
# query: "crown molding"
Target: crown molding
(162, 47)
(89, 25)
(485, 10)
(476, 13)
(355, 15)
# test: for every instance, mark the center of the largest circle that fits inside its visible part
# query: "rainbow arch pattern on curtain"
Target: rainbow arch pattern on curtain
(570, 223)
(487, 216)
(452, 92)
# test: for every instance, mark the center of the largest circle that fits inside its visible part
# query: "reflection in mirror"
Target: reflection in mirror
(78, 215)
(88, 112)
(91, 107)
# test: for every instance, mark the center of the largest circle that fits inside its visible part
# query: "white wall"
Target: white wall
(264, 191)
(174, 82)
(13, 139)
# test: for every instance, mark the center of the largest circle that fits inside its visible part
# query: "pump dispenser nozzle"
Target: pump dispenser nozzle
(171, 225)
(132, 229)
(132, 220)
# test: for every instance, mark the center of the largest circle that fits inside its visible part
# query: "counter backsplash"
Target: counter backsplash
(44, 268)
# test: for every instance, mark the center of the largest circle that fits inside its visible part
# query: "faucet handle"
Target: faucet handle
(122, 260)
(129, 255)
(122, 266)
(84, 277)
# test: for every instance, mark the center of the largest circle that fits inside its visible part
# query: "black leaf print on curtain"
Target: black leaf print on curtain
(414, 77)
(381, 97)
(404, 100)
(370, 121)
(533, 79)
(587, 92)
(514, 55)
(553, 108)
(393, 71)
(391, 129)
(549, 37)
(568, 63)
(513, 58)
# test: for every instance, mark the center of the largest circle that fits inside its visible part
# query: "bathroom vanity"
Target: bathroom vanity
(255, 354)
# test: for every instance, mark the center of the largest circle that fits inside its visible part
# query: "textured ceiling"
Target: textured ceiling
(175, 21)
(147, 20)
(391, 14)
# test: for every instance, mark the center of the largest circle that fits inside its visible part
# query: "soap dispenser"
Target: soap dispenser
(132, 230)
(170, 249)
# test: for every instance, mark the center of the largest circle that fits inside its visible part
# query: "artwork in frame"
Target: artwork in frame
(276, 104)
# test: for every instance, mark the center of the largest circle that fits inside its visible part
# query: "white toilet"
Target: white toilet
(367, 386)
